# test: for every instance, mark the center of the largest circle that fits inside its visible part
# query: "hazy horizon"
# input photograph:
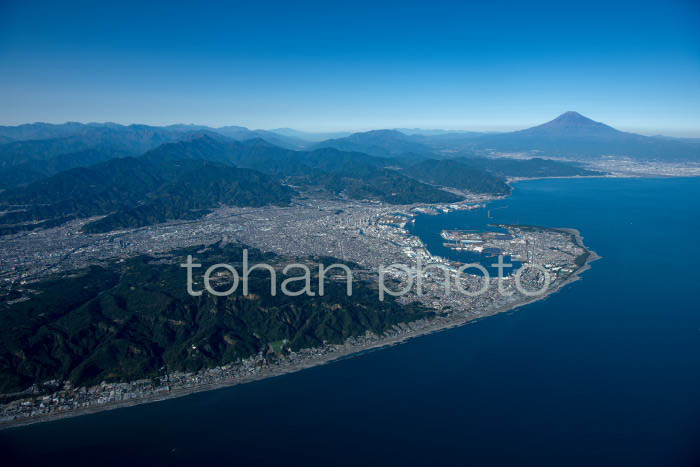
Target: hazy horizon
(322, 68)
(327, 130)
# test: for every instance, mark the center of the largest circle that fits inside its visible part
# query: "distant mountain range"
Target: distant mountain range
(438, 132)
(310, 136)
(188, 178)
(138, 134)
(573, 135)
(185, 179)
(569, 135)
(354, 174)
(38, 150)
(54, 173)
(379, 143)
(34, 151)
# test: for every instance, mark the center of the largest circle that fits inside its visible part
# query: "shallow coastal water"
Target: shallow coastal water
(604, 372)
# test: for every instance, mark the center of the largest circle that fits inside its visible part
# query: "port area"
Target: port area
(400, 219)
(487, 244)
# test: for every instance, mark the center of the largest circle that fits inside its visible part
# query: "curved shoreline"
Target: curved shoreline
(340, 352)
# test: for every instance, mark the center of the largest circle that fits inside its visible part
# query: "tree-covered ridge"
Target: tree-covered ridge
(185, 179)
(34, 170)
(451, 173)
(134, 192)
(45, 142)
(35, 151)
(135, 319)
(354, 174)
(388, 186)
(529, 168)
(379, 143)
(31, 152)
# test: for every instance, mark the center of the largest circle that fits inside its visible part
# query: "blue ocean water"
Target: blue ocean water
(429, 228)
(604, 372)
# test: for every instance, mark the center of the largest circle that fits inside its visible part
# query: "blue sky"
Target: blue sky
(353, 66)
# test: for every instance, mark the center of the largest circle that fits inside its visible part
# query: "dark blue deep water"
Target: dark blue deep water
(605, 372)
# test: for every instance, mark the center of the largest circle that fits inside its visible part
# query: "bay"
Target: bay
(604, 372)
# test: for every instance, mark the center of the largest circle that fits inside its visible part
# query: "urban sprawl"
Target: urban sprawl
(367, 233)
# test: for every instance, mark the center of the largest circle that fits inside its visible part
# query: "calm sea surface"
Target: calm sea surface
(605, 372)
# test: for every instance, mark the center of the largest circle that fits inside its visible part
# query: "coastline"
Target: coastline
(510, 180)
(340, 352)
